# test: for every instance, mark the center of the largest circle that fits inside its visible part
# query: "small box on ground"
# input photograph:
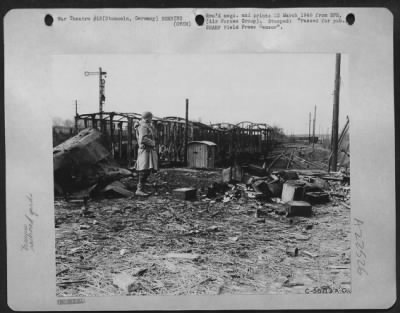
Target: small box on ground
(211, 191)
(298, 208)
(232, 174)
(316, 197)
(185, 193)
(293, 190)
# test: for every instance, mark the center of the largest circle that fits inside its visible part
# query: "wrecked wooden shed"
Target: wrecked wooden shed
(201, 154)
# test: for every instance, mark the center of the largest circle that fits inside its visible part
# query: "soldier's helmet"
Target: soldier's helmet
(147, 115)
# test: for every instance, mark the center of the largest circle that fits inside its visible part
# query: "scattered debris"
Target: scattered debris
(139, 271)
(116, 189)
(123, 251)
(211, 191)
(275, 188)
(320, 183)
(288, 175)
(261, 187)
(83, 161)
(231, 174)
(232, 237)
(345, 205)
(312, 255)
(256, 170)
(298, 208)
(292, 284)
(293, 190)
(185, 256)
(125, 282)
(316, 197)
(292, 251)
(185, 193)
(301, 237)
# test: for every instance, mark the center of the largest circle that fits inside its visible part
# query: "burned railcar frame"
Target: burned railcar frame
(234, 141)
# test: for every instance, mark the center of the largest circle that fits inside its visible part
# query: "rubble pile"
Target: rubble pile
(241, 230)
(227, 239)
(283, 187)
(82, 166)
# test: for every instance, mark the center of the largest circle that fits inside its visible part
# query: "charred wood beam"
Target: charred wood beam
(129, 145)
(112, 135)
(94, 123)
(120, 140)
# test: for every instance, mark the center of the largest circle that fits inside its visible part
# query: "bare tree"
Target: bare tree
(57, 121)
(69, 123)
(278, 131)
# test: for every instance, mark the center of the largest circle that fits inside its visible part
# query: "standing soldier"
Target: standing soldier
(147, 160)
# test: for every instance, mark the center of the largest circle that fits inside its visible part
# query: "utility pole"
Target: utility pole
(186, 130)
(319, 132)
(313, 134)
(335, 118)
(102, 97)
(76, 116)
(76, 107)
(309, 127)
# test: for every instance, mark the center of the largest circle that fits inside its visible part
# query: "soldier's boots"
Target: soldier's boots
(141, 183)
(141, 193)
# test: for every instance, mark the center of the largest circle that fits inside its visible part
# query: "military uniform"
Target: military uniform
(147, 160)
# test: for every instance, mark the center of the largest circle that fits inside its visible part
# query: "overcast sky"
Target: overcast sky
(277, 89)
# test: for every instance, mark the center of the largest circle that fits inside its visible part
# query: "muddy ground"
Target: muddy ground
(176, 247)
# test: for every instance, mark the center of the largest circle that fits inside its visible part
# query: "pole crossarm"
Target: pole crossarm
(102, 97)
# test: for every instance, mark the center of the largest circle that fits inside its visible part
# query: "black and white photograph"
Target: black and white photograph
(230, 179)
(199, 159)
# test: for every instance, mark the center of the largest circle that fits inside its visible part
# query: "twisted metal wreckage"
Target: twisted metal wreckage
(231, 140)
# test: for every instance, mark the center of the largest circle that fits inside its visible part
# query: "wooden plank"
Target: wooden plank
(199, 156)
(191, 160)
(94, 124)
(112, 135)
(214, 155)
(190, 156)
(134, 145)
(210, 157)
(120, 140)
(129, 145)
(196, 155)
(203, 156)
(185, 256)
